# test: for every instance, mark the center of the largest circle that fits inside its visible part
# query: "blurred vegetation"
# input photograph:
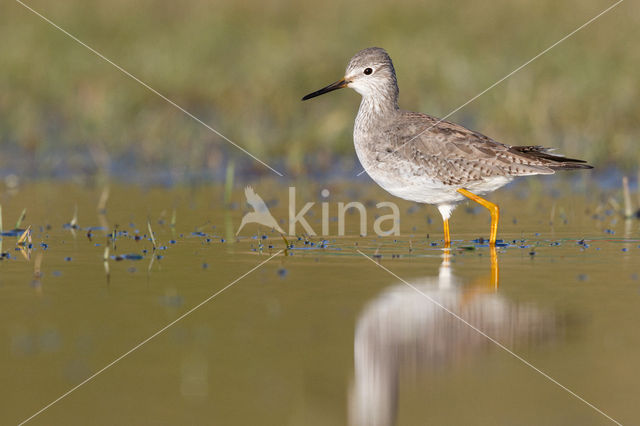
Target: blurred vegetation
(242, 67)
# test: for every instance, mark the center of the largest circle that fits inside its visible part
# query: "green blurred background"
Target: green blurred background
(242, 67)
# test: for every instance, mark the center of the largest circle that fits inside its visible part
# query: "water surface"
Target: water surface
(319, 334)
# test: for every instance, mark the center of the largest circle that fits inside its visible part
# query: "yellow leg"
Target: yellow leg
(495, 273)
(447, 237)
(493, 208)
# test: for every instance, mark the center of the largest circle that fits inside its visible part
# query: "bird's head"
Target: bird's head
(370, 72)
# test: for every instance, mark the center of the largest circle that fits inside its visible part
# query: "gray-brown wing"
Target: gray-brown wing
(456, 155)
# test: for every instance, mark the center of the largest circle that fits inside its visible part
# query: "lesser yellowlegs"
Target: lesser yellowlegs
(420, 158)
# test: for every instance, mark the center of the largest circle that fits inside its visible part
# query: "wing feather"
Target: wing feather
(455, 154)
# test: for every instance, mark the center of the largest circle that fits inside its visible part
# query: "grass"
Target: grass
(25, 237)
(22, 216)
(73, 224)
(151, 236)
(242, 66)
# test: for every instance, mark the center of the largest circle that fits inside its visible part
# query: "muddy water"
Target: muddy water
(318, 334)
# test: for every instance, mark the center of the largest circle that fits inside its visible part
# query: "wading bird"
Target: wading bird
(420, 158)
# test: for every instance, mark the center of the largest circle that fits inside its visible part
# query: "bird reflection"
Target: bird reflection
(403, 332)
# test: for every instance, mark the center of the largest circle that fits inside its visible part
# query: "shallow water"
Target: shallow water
(319, 334)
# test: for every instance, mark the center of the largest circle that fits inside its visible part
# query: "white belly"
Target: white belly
(411, 182)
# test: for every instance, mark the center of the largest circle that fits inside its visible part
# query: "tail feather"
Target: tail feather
(553, 161)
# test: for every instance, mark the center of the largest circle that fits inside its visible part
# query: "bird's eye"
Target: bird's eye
(368, 71)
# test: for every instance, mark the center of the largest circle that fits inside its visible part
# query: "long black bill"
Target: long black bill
(330, 88)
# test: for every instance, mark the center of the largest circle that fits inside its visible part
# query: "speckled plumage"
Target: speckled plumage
(421, 158)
